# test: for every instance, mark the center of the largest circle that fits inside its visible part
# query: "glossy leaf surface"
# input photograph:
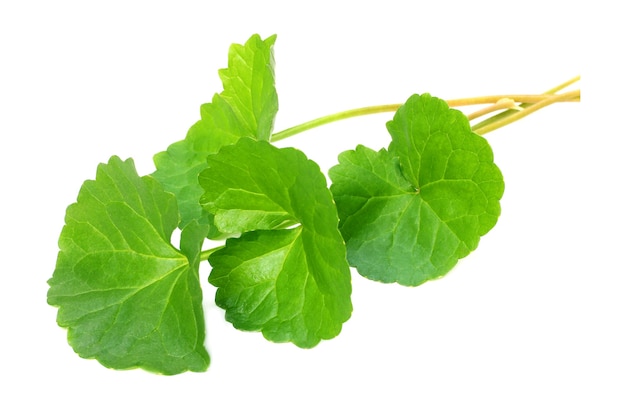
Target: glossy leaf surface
(410, 213)
(127, 296)
(246, 107)
(287, 274)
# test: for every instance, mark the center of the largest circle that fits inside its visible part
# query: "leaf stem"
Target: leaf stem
(508, 113)
(507, 101)
(526, 110)
(362, 111)
(204, 255)
(564, 85)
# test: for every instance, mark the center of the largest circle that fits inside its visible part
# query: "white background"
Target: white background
(530, 324)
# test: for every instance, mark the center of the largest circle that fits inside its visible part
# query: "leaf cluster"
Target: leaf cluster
(130, 298)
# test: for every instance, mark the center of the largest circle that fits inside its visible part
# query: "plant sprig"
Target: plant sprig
(405, 213)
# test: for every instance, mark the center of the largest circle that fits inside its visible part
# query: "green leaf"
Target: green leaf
(293, 284)
(127, 296)
(246, 107)
(410, 213)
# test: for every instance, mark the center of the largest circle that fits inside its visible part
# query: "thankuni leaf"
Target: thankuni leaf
(246, 107)
(127, 296)
(293, 284)
(408, 214)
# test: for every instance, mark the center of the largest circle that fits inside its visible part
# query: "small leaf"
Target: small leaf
(408, 214)
(293, 284)
(127, 296)
(246, 107)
